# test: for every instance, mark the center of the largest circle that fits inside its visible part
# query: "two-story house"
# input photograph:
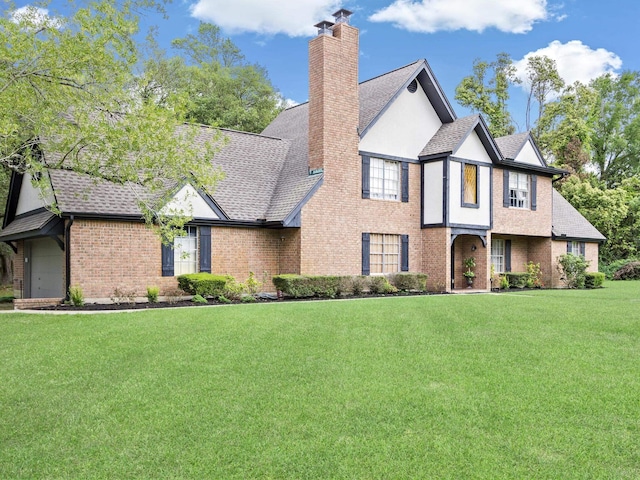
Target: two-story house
(365, 178)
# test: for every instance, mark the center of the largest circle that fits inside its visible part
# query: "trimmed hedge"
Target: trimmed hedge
(331, 286)
(204, 284)
(594, 279)
(409, 282)
(517, 280)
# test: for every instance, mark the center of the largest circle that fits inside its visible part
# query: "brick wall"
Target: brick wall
(560, 248)
(516, 221)
(463, 250)
(18, 270)
(436, 261)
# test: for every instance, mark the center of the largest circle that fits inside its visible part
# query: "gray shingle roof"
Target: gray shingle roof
(511, 145)
(27, 224)
(567, 221)
(449, 136)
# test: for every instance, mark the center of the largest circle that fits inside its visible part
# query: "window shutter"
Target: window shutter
(507, 255)
(405, 181)
(365, 177)
(366, 269)
(505, 189)
(582, 249)
(534, 191)
(167, 260)
(205, 249)
(568, 247)
(404, 253)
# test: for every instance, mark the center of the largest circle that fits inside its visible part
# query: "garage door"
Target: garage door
(45, 265)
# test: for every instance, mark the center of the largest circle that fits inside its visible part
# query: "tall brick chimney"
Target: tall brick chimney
(333, 95)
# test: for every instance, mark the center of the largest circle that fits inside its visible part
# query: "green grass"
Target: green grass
(542, 385)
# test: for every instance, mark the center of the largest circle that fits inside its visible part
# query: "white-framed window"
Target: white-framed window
(185, 252)
(497, 255)
(384, 253)
(384, 179)
(576, 248)
(519, 190)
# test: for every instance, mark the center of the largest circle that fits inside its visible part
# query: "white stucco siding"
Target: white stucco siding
(480, 216)
(433, 193)
(30, 197)
(528, 155)
(404, 128)
(189, 202)
(472, 149)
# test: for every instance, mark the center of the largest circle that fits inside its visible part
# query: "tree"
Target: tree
(543, 80)
(221, 87)
(67, 102)
(487, 92)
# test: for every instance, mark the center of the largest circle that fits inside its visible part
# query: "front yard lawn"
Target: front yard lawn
(536, 384)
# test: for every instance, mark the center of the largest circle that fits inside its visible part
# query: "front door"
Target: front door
(44, 262)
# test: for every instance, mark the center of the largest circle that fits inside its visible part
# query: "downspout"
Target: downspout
(67, 257)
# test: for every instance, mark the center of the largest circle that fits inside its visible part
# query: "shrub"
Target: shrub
(573, 269)
(223, 299)
(297, 286)
(356, 284)
(121, 295)
(152, 294)
(173, 295)
(535, 274)
(517, 279)
(594, 279)
(504, 282)
(204, 284)
(630, 271)
(234, 290)
(199, 299)
(380, 284)
(409, 282)
(248, 299)
(76, 297)
(253, 285)
(610, 269)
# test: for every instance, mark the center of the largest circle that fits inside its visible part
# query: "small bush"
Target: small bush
(594, 279)
(152, 294)
(173, 295)
(573, 269)
(297, 286)
(204, 284)
(248, 299)
(630, 271)
(76, 297)
(517, 280)
(122, 295)
(354, 285)
(535, 275)
(504, 282)
(223, 299)
(409, 282)
(380, 284)
(253, 285)
(199, 299)
(234, 290)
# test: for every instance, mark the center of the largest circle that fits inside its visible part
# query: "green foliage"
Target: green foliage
(248, 299)
(65, 81)
(543, 80)
(234, 290)
(253, 285)
(517, 279)
(611, 268)
(408, 282)
(354, 285)
(573, 269)
(205, 284)
(379, 284)
(220, 87)
(487, 91)
(199, 299)
(469, 263)
(223, 299)
(504, 282)
(300, 286)
(594, 279)
(152, 294)
(534, 273)
(630, 271)
(172, 295)
(76, 296)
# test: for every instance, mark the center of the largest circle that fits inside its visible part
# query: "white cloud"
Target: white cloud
(34, 17)
(429, 16)
(575, 61)
(269, 17)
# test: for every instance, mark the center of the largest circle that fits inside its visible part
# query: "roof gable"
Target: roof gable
(189, 202)
(521, 148)
(568, 223)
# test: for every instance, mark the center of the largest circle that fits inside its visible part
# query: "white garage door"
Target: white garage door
(45, 265)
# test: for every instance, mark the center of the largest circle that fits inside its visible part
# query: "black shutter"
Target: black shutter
(568, 247)
(505, 188)
(404, 253)
(582, 249)
(405, 181)
(205, 249)
(167, 260)
(507, 255)
(534, 191)
(365, 177)
(366, 269)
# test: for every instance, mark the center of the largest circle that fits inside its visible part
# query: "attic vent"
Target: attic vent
(413, 86)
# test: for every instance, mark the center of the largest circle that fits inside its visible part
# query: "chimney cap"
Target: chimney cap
(342, 15)
(324, 27)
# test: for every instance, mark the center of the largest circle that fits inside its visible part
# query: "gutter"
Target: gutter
(67, 257)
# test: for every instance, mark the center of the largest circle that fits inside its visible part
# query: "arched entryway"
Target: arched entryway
(469, 254)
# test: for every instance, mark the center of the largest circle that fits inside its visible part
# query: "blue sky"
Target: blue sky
(586, 37)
